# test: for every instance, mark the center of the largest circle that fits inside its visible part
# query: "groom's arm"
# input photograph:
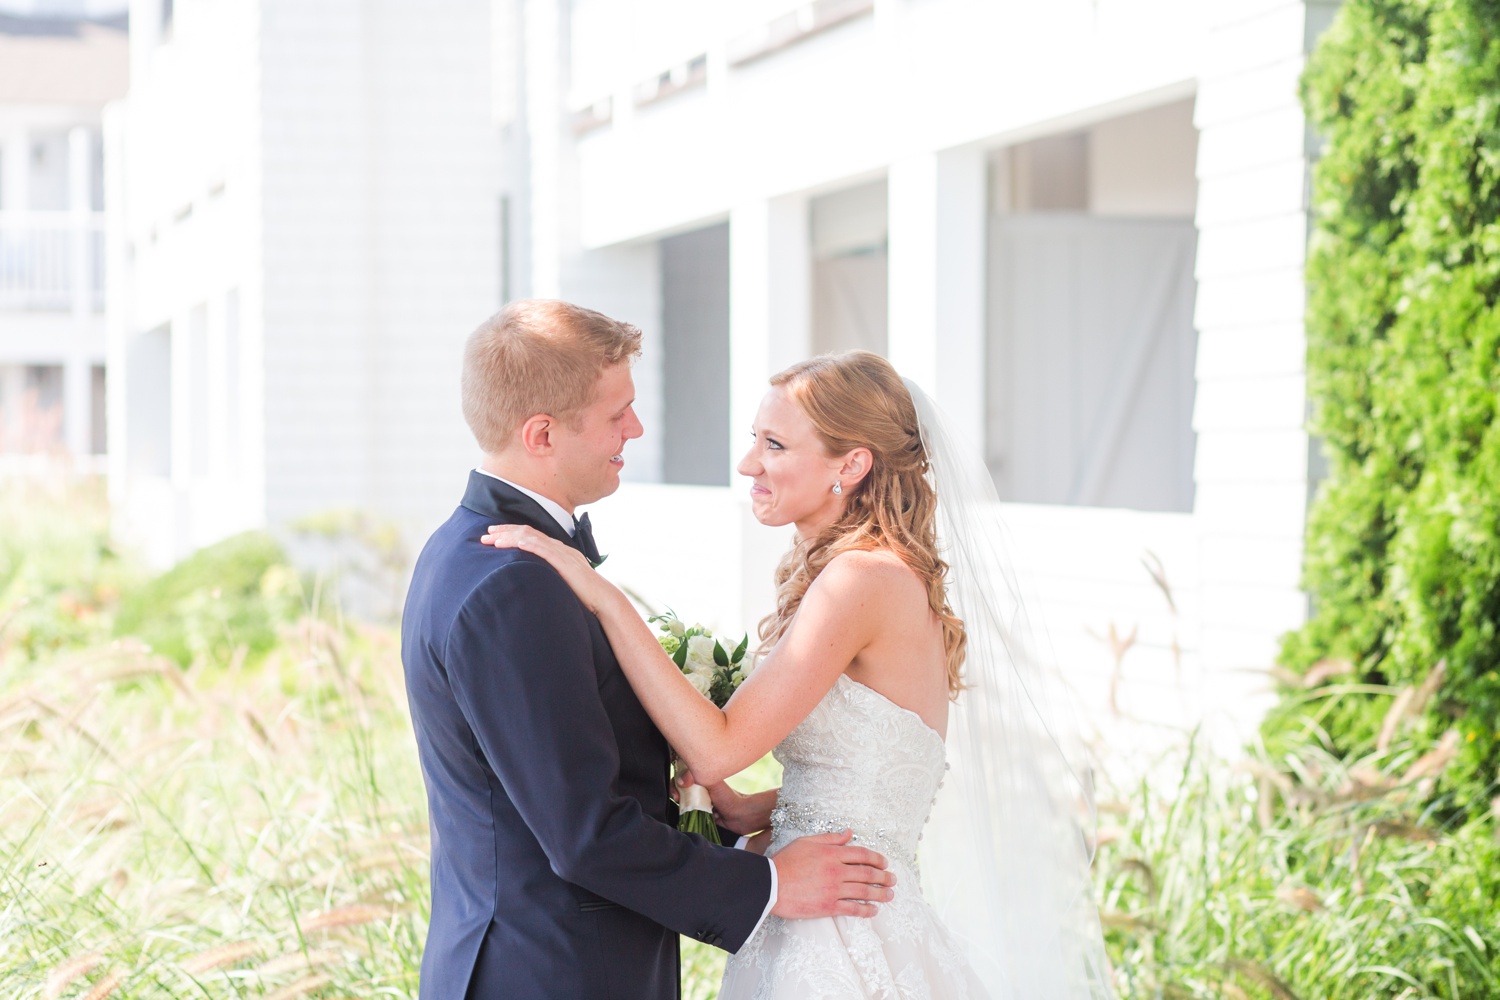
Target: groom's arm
(520, 659)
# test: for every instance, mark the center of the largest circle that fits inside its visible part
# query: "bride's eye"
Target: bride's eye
(773, 443)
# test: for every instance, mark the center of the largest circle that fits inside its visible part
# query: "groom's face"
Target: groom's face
(589, 451)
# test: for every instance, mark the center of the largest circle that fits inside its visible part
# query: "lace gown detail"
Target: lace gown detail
(861, 762)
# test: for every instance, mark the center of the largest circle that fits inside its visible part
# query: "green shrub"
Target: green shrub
(1403, 544)
(60, 577)
(228, 595)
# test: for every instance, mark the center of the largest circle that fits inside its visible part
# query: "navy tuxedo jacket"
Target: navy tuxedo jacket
(556, 872)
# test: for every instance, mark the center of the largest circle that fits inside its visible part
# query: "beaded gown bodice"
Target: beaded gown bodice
(861, 762)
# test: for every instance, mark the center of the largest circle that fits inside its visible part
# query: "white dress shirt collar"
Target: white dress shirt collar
(558, 512)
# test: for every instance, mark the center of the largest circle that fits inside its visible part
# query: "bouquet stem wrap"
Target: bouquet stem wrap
(695, 813)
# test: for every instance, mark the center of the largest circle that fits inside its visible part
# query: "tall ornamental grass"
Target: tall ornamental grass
(1304, 874)
(208, 781)
(215, 831)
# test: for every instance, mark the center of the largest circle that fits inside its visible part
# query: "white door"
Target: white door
(1090, 370)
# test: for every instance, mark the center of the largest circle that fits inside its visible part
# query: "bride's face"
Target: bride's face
(791, 474)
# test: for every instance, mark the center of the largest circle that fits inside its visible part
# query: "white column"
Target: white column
(182, 402)
(545, 38)
(12, 389)
(770, 304)
(116, 301)
(1251, 464)
(15, 182)
(80, 214)
(937, 218)
(770, 327)
(77, 395)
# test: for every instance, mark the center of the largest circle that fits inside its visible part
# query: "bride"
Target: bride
(859, 666)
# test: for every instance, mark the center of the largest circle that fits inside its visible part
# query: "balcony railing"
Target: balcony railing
(52, 261)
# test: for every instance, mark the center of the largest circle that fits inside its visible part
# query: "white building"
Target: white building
(1080, 223)
(307, 228)
(56, 73)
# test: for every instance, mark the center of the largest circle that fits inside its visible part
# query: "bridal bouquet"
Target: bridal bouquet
(716, 673)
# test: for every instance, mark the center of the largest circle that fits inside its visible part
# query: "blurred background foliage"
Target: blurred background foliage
(208, 785)
(1403, 558)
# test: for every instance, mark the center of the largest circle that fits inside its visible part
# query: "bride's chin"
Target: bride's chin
(765, 517)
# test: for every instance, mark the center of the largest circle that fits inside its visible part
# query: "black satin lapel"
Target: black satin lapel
(504, 504)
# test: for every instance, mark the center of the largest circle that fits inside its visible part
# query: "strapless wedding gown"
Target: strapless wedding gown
(859, 762)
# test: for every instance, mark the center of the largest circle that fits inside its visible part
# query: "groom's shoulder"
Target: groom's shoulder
(454, 560)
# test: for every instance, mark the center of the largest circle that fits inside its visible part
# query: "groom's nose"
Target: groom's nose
(633, 428)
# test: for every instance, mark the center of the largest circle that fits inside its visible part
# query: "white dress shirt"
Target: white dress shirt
(566, 522)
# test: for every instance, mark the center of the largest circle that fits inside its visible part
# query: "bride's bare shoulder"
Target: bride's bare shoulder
(871, 572)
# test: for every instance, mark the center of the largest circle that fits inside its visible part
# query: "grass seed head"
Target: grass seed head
(60, 978)
(104, 987)
(345, 916)
(301, 987)
(224, 954)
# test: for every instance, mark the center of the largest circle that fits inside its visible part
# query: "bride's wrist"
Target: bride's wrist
(614, 603)
(764, 804)
(752, 812)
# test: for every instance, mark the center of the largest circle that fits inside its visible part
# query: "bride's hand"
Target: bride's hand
(592, 589)
(744, 814)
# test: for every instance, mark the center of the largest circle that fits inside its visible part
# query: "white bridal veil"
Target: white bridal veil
(1005, 858)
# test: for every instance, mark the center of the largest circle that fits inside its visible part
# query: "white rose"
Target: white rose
(702, 682)
(701, 652)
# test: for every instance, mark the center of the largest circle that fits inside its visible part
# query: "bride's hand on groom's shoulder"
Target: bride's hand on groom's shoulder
(591, 588)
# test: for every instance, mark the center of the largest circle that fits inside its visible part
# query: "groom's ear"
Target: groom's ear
(536, 434)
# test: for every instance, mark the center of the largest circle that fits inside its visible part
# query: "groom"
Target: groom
(556, 869)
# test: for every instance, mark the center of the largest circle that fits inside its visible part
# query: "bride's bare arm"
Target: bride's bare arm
(838, 617)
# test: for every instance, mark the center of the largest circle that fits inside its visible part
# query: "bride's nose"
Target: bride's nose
(749, 465)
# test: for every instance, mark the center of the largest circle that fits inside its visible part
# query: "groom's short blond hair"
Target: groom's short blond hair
(538, 356)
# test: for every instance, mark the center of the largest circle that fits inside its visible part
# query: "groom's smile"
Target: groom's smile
(591, 447)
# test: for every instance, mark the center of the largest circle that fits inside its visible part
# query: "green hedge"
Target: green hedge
(1403, 558)
(229, 595)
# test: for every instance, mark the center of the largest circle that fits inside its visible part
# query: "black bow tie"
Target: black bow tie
(583, 541)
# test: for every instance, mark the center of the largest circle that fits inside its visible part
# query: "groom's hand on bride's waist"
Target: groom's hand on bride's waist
(826, 876)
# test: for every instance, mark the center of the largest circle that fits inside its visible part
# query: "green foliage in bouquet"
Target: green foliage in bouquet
(716, 673)
(1403, 557)
(229, 595)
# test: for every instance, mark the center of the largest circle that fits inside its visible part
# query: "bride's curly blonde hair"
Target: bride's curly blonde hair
(855, 399)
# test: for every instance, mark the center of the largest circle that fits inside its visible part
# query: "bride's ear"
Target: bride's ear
(855, 467)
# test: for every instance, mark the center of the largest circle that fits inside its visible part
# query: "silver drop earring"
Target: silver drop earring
(838, 488)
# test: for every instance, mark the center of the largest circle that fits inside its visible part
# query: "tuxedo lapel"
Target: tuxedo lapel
(504, 504)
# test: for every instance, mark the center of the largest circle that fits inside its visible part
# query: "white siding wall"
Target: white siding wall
(331, 172)
(381, 216)
(1252, 461)
(184, 237)
(843, 105)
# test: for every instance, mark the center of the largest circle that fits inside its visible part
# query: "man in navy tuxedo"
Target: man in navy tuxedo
(557, 871)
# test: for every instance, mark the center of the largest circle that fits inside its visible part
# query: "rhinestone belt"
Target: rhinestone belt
(811, 820)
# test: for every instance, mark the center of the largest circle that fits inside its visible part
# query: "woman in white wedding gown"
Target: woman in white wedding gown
(859, 664)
